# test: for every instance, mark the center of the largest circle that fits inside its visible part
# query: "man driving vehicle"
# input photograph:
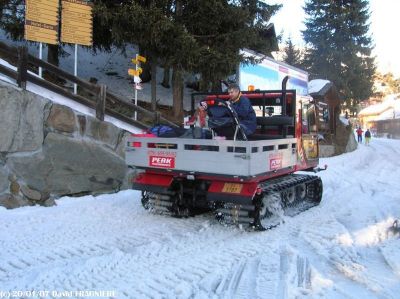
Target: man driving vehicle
(243, 108)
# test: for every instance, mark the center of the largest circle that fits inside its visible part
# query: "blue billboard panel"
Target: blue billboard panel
(269, 74)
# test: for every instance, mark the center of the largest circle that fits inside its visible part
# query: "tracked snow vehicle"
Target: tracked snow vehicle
(249, 180)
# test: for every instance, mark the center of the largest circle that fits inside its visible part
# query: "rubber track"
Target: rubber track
(231, 214)
(286, 182)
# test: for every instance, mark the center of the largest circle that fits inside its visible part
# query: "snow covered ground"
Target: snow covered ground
(109, 246)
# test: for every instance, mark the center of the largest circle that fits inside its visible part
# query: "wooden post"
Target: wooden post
(22, 67)
(101, 102)
(157, 116)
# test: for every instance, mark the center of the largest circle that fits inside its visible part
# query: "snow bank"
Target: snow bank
(344, 120)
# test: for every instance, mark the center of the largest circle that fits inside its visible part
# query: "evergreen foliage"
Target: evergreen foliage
(339, 48)
(387, 82)
(12, 13)
(292, 56)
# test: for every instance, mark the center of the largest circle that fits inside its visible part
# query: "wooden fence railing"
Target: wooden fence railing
(98, 97)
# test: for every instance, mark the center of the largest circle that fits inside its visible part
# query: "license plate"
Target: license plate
(232, 188)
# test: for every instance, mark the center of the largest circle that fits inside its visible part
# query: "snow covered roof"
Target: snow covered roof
(389, 108)
(319, 87)
(387, 114)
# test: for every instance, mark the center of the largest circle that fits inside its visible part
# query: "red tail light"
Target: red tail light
(135, 144)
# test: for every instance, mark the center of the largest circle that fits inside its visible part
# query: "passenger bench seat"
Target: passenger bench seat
(279, 122)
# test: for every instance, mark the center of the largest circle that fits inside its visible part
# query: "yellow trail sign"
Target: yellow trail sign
(141, 58)
(53, 3)
(78, 16)
(134, 72)
(41, 35)
(76, 7)
(47, 19)
(84, 41)
(43, 8)
(74, 27)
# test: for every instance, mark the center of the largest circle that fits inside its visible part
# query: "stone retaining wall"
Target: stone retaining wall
(342, 142)
(48, 150)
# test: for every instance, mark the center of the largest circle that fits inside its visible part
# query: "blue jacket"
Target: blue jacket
(245, 112)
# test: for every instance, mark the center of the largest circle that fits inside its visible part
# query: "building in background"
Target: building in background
(383, 118)
(327, 97)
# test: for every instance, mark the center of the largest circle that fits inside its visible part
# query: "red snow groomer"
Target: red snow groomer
(249, 180)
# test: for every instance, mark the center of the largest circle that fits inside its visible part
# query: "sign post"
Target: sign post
(76, 26)
(76, 68)
(136, 67)
(40, 57)
(135, 73)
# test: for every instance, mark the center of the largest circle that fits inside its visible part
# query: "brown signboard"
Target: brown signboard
(76, 22)
(41, 21)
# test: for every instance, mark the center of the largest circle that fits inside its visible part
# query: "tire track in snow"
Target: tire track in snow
(283, 275)
(155, 257)
(390, 253)
(106, 262)
(319, 242)
(241, 282)
(74, 241)
(268, 280)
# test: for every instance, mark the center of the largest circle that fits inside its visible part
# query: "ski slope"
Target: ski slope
(109, 246)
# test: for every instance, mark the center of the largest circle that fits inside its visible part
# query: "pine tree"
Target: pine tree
(12, 18)
(339, 48)
(221, 28)
(292, 56)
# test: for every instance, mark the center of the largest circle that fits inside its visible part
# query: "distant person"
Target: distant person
(367, 136)
(359, 132)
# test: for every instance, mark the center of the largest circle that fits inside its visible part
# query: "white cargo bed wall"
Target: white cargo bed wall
(241, 158)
